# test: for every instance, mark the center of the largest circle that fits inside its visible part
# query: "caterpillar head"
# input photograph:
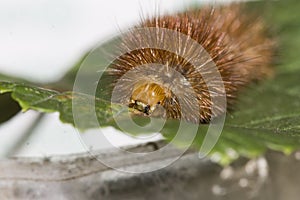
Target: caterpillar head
(147, 96)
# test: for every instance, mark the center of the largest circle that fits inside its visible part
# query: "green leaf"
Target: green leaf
(45, 100)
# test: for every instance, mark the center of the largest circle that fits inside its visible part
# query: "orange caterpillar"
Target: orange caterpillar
(237, 43)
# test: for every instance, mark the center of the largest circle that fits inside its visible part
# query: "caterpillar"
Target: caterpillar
(237, 42)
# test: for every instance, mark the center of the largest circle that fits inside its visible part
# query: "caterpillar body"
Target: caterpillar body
(236, 42)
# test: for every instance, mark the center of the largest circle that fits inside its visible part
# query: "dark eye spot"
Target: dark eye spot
(146, 109)
(158, 102)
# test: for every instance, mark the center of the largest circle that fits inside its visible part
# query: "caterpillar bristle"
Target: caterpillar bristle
(237, 43)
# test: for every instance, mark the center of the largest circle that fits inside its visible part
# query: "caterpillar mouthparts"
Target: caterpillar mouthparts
(236, 42)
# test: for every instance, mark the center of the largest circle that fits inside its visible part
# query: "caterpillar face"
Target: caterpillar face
(147, 96)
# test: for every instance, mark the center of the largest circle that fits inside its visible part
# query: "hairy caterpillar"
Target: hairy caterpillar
(237, 43)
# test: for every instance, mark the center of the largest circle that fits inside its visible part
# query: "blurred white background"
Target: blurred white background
(40, 40)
